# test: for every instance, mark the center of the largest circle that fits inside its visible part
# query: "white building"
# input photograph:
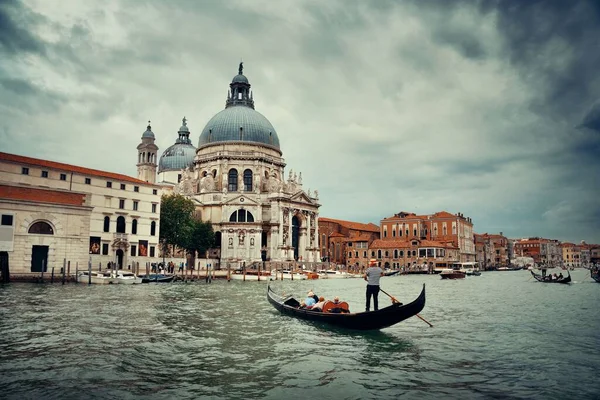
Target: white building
(53, 211)
(237, 180)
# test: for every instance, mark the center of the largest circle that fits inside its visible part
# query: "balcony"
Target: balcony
(123, 237)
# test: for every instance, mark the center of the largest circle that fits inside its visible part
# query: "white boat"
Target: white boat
(288, 275)
(127, 278)
(251, 277)
(330, 274)
(97, 277)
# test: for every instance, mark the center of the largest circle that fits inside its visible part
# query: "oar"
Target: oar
(395, 300)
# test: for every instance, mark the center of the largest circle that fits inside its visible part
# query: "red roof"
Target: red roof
(41, 195)
(396, 244)
(370, 227)
(68, 168)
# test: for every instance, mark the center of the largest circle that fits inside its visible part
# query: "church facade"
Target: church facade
(238, 181)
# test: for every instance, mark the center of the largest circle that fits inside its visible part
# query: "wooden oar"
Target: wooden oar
(395, 300)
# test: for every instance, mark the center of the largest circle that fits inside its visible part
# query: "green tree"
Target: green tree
(201, 239)
(176, 221)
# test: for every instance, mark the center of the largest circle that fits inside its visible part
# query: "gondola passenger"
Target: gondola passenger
(319, 305)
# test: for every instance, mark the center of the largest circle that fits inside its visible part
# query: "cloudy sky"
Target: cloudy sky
(488, 108)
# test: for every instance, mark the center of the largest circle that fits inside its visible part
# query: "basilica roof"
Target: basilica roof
(239, 122)
(148, 134)
(181, 154)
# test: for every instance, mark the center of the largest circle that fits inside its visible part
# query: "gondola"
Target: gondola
(595, 275)
(540, 278)
(369, 320)
(159, 278)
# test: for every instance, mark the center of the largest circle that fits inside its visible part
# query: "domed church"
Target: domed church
(237, 179)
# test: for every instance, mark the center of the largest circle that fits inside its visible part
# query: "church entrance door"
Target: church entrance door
(295, 235)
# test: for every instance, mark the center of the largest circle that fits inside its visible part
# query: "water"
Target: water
(499, 335)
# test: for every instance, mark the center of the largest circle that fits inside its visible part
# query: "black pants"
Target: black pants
(372, 290)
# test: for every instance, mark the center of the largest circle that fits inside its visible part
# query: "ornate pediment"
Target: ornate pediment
(241, 200)
(301, 197)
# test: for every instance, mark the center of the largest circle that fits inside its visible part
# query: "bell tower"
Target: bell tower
(147, 151)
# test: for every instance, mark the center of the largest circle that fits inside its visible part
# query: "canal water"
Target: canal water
(496, 336)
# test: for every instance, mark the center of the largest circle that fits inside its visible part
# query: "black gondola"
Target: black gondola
(595, 275)
(370, 320)
(540, 278)
(159, 278)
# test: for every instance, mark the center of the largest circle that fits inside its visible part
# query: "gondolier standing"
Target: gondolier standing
(372, 275)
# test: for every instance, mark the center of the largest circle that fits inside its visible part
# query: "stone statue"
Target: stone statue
(241, 68)
(290, 175)
(300, 179)
(317, 194)
(207, 183)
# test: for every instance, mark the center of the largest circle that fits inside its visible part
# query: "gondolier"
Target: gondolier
(372, 276)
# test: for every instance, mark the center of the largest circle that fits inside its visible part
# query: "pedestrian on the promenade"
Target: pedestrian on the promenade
(372, 275)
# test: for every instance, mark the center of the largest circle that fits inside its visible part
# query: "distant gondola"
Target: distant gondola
(595, 274)
(369, 320)
(540, 278)
(159, 278)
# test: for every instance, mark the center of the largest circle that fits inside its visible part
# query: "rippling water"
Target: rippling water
(500, 335)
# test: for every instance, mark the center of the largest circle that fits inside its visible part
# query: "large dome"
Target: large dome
(225, 127)
(181, 154)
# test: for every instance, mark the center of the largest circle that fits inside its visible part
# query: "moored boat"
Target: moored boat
(286, 274)
(595, 274)
(128, 278)
(368, 320)
(158, 278)
(95, 277)
(548, 278)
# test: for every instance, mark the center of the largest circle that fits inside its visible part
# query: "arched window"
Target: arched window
(248, 180)
(378, 253)
(396, 253)
(41, 228)
(241, 216)
(401, 253)
(153, 228)
(232, 180)
(218, 239)
(134, 227)
(121, 224)
(106, 224)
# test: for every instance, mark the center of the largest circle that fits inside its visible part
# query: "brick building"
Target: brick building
(337, 236)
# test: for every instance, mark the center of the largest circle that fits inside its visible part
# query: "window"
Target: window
(135, 205)
(153, 228)
(122, 186)
(121, 204)
(134, 227)
(241, 216)
(121, 224)
(151, 251)
(104, 249)
(88, 181)
(7, 220)
(41, 228)
(136, 188)
(133, 250)
(248, 180)
(378, 253)
(25, 171)
(178, 178)
(232, 180)
(154, 208)
(44, 174)
(154, 191)
(63, 177)
(106, 224)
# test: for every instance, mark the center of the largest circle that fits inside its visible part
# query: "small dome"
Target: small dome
(239, 79)
(225, 127)
(148, 134)
(177, 157)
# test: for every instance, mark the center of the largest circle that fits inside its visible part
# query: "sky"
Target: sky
(487, 108)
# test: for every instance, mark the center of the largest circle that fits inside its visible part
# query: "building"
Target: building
(237, 180)
(414, 255)
(345, 242)
(60, 211)
(441, 227)
(492, 250)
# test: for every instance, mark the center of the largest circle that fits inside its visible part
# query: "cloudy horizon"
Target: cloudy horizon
(487, 108)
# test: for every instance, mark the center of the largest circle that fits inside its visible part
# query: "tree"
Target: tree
(201, 239)
(176, 221)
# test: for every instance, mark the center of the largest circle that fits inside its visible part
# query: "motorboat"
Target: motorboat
(127, 278)
(331, 274)
(287, 274)
(452, 274)
(158, 278)
(95, 277)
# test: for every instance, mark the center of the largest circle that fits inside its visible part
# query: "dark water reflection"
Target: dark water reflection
(500, 335)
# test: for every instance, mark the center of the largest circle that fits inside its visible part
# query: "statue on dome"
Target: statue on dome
(300, 179)
(241, 68)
